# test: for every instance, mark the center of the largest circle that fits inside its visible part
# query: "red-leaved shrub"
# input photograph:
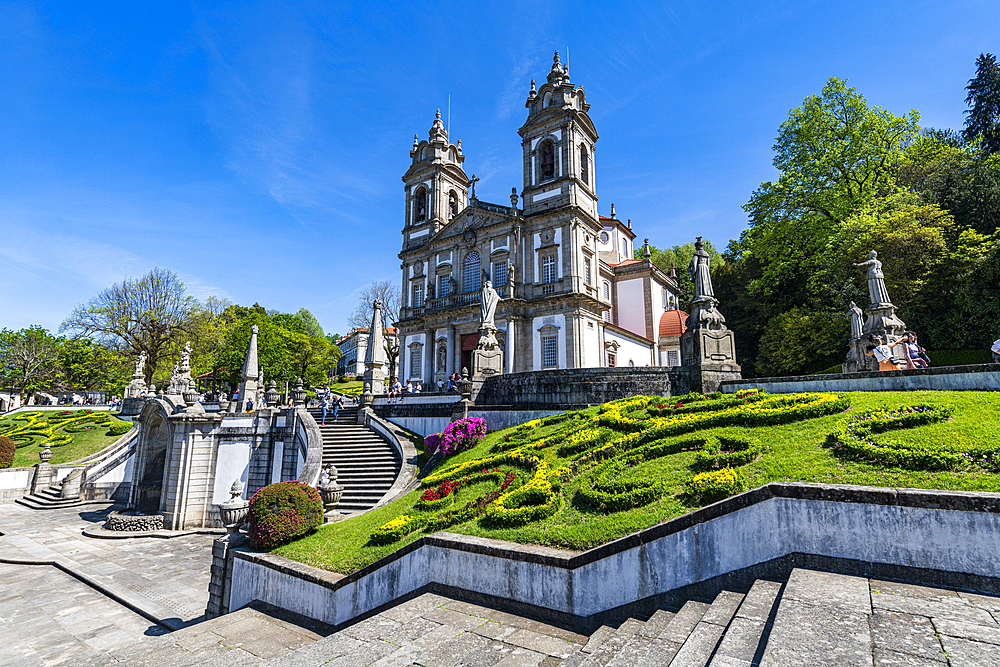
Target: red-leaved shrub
(7, 450)
(282, 512)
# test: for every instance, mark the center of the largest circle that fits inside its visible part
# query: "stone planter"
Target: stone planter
(235, 510)
(330, 492)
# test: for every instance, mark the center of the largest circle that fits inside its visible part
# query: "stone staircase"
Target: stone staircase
(49, 498)
(367, 465)
(815, 619)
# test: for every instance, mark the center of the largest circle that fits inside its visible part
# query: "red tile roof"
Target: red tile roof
(673, 323)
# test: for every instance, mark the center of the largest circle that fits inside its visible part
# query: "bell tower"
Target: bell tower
(558, 140)
(436, 185)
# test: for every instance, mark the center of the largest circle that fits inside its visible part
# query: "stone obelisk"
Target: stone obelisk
(248, 387)
(373, 380)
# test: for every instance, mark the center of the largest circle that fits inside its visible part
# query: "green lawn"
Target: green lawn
(798, 451)
(352, 388)
(86, 432)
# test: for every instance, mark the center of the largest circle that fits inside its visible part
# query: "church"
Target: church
(572, 293)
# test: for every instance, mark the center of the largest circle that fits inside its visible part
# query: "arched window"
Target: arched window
(471, 273)
(607, 291)
(584, 165)
(547, 160)
(420, 205)
(547, 100)
(452, 204)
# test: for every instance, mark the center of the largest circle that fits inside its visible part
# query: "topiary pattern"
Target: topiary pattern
(604, 451)
(282, 512)
(861, 435)
(56, 429)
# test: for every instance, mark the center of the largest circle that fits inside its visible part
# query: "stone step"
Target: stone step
(745, 638)
(822, 619)
(665, 645)
(37, 503)
(700, 645)
(609, 649)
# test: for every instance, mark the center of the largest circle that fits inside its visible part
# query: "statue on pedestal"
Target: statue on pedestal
(487, 358)
(708, 347)
(881, 320)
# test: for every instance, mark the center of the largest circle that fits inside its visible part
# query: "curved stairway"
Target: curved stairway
(367, 466)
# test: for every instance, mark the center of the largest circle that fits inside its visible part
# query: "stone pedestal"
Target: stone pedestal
(708, 347)
(857, 361)
(487, 357)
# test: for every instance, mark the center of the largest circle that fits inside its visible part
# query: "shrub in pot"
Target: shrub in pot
(282, 512)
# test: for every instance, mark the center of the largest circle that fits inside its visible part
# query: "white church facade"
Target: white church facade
(573, 295)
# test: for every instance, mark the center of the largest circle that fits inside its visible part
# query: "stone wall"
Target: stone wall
(980, 377)
(941, 538)
(576, 388)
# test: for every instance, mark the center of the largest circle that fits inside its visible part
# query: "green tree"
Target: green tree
(90, 366)
(835, 154)
(983, 117)
(146, 314)
(29, 360)
(801, 341)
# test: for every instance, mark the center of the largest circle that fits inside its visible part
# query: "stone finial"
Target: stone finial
(557, 73)
(532, 94)
(613, 210)
(460, 146)
(513, 198)
(416, 141)
(645, 248)
(438, 132)
(236, 490)
(673, 271)
(630, 223)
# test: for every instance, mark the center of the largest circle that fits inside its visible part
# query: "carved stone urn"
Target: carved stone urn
(299, 394)
(271, 396)
(45, 454)
(235, 510)
(330, 492)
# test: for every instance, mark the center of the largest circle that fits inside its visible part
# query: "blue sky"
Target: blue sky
(256, 148)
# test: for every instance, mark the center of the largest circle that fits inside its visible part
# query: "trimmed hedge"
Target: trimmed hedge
(282, 512)
(729, 451)
(717, 484)
(858, 435)
(7, 451)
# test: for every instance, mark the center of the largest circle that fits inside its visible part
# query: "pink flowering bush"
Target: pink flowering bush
(282, 512)
(458, 437)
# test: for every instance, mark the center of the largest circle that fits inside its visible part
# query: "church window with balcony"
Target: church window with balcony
(471, 273)
(444, 286)
(548, 269)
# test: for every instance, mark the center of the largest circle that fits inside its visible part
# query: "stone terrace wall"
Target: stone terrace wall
(938, 538)
(575, 388)
(980, 377)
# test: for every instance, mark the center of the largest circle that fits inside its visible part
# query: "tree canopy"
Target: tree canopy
(983, 118)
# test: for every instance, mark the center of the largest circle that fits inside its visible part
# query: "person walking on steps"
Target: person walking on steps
(326, 408)
(337, 405)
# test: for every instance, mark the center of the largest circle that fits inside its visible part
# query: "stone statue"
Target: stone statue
(488, 305)
(857, 320)
(140, 364)
(186, 356)
(876, 279)
(452, 286)
(699, 271)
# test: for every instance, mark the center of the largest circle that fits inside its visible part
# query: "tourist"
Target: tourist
(337, 405)
(996, 350)
(882, 353)
(396, 391)
(409, 386)
(325, 405)
(417, 388)
(915, 355)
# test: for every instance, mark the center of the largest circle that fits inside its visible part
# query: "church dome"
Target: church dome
(673, 323)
